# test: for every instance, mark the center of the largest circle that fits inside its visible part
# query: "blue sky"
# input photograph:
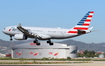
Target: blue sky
(53, 13)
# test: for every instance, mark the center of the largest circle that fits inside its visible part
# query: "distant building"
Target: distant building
(31, 50)
(101, 56)
(8, 55)
(2, 55)
(81, 52)
(99, 52)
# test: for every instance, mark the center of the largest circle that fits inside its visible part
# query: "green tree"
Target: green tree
(87, 54)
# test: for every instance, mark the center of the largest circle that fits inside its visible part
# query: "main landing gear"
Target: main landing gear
(37, 43)
(50, 43)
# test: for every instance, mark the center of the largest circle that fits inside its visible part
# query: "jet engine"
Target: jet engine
(20, 37)
(81, 32)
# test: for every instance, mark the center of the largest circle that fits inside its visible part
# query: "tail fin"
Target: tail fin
(85, 21)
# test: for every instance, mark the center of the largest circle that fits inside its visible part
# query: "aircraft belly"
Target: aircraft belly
(70, 35)
(57, 36)
(11, 33)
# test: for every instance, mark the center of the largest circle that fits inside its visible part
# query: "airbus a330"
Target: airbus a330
(39, 33)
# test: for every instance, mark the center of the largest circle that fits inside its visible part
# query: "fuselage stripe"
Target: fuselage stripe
(82, 28)
(72, 32)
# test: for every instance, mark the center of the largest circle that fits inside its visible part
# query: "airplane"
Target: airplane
(40, 33)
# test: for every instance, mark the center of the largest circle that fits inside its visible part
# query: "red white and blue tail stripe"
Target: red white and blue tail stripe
(85, 21)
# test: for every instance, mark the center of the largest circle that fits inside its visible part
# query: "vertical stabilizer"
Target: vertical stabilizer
(85, 21)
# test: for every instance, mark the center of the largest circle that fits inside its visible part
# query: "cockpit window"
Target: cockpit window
(4, 28)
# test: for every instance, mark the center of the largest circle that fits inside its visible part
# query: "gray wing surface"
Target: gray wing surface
(33, 35)
(25, 31)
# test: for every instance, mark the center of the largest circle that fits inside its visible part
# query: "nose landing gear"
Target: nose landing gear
(11, 38)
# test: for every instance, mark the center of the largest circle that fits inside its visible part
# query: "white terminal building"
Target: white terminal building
(31, 50)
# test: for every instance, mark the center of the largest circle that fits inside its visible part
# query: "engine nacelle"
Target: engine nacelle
(20, 37)
(81, 32)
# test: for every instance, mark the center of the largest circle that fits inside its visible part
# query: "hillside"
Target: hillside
(86, 46)
(5, 46)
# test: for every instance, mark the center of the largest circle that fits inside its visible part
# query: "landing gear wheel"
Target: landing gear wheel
(50, 43)
(34, 41)
(37, 43)
(11, 39)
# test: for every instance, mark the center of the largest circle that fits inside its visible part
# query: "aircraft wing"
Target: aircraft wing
(31, 34)
(24, 31)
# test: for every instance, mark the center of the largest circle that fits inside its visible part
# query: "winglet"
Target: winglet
(19, 25)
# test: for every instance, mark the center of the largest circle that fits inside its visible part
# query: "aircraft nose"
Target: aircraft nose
(3, 30)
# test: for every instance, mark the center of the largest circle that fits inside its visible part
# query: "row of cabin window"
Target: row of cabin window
(42, 31)
(51, 31)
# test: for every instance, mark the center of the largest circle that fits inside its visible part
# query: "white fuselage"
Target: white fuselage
(54, 33)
